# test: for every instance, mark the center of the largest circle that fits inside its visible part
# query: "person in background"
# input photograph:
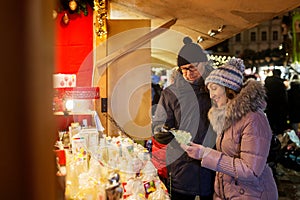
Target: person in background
(243, 136)
(155, 93)
(294, 103)
(277, 102)
(158, 149)
(183, 106)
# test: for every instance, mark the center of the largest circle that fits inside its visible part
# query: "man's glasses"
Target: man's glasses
(192, 67)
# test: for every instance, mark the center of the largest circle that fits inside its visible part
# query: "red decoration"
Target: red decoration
(73, 55)
(73, 47)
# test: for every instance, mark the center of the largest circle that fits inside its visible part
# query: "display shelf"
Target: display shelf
(77, 93)
(60, 113)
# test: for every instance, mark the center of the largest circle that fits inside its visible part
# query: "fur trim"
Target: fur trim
(216, 117)
(250, 99)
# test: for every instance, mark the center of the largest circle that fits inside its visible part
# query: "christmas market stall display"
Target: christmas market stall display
(97, 166)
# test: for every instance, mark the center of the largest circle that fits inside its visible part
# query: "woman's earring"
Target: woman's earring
(231, 95)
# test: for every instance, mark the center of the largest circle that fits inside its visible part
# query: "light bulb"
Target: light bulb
(211, 33)
(69, 104)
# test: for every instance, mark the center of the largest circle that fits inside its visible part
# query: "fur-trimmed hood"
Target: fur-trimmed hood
(250, 99)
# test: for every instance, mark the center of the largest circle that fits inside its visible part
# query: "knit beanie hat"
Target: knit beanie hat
(229, 75)
(190, 53)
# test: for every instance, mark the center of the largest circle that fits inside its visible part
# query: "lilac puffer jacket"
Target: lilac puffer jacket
(243, 144)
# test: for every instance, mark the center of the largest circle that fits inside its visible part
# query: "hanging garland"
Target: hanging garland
(101, 16)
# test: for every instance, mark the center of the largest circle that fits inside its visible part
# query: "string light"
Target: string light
(217, 61)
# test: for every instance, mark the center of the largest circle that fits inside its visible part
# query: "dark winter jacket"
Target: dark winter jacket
(184, 106)
(277, 104)
(294, 102)
(276, 94)
(243, 143)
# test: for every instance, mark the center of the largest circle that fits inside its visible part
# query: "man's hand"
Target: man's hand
(163, 137)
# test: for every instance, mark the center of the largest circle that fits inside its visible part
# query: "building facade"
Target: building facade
(267, 35)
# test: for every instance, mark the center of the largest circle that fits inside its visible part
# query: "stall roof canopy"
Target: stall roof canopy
(197, 17)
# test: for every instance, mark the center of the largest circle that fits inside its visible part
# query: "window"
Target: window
(263, 36)
(252, 36)
(275, 35)
(238, 37)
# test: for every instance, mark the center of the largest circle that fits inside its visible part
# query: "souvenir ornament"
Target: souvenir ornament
(72, 5)
(113, 189)
(65, 18)
(54, 14)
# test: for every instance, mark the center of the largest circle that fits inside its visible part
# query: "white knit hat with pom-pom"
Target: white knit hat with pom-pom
(229, 75)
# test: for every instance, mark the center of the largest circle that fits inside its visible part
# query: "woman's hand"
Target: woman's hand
(195, 151)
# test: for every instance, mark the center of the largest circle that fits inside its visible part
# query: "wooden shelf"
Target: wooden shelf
(74, 113)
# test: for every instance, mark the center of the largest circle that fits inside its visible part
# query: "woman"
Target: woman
(243, 139)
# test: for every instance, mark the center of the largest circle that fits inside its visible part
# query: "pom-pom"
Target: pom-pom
(187, 40)
(238, 63)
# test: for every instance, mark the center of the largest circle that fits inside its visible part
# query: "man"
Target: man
(184, 106)
(277, 102)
